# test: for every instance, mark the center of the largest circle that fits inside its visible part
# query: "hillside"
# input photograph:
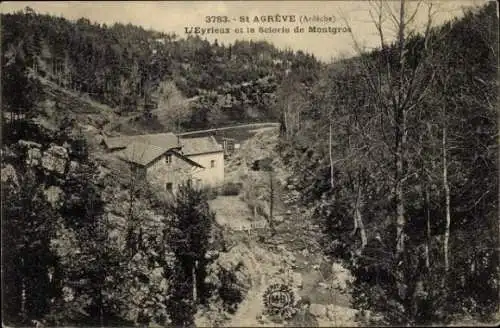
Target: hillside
(134, 70)
(395, 154)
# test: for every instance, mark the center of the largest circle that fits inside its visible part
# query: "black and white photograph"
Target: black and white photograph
(250, 163)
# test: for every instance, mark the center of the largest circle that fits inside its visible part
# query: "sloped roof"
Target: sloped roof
(141, 153)
(194, 146)
(163, 140)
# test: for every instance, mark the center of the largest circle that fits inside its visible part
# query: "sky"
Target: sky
(176, 16)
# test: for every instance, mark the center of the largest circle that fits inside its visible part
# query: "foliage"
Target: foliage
(351, 183)
(188, 236)
(27, 228)
(231, 189)
(128, 67)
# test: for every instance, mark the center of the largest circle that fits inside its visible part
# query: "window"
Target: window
(212, 163)
(168, 159)
(169, 186)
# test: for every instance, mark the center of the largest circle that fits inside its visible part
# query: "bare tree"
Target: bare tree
(397, 88)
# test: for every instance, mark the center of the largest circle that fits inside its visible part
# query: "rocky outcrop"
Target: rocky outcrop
(55, 159)
(52, 160)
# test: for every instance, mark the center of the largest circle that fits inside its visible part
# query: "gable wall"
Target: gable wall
(159, 173)
(210, 176)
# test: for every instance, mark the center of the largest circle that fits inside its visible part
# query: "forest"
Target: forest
(394, 150)
(138, 70)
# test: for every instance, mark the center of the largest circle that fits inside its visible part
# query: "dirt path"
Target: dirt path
(278, 259)
(252, 306)
(250, 125)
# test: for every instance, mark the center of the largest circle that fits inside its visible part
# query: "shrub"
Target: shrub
(211, 193)
(231, 189)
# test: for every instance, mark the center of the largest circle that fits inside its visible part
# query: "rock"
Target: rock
(305, 252)
(211, 254)
(55, 159)
(316, 266)
(332, 312)
(341, 275)
(98, 139)
(157, 273)
(318, 310)
(29, 144)
(73, 166)
(34, 157)
(53, 194)
(323, 285)
(297, 280)
(342, 314)
(9, 174)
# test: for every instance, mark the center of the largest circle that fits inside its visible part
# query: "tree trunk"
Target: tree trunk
(447, 204)
(359, 219)
(400, 208)
(101, 310)
(428, 224)
(400, 115)
(271, 202)
(286, 127)
(331, 155)
(23, 292)
(195, 296)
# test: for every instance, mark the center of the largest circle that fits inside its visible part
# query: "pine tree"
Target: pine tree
(28, 224)
(188, 235)
(91, 268)
(20, 91)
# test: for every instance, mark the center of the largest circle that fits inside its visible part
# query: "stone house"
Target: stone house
(167, 161)
(209, 154)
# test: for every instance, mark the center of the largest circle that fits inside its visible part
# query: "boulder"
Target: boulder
(332, 312)
(211, 254)
(341, 275)
(55, 159)
(318, 310)
(29, 144)
(345, 315)
(73, 166)
(34, 157)
(9, 174)
(53, 194)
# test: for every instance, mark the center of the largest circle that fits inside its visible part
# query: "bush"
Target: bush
(231, 189)
(211, 193)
